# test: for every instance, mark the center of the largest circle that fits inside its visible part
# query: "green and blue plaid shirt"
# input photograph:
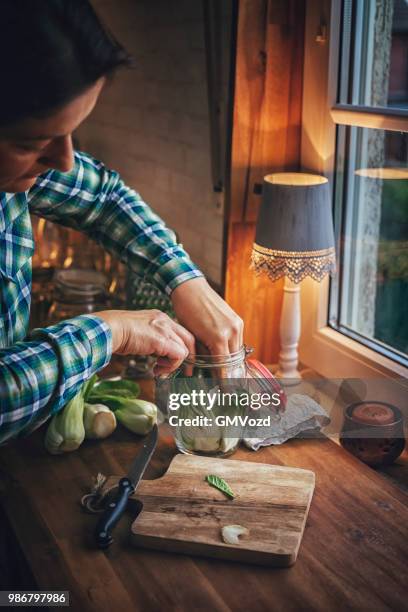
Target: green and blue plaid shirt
(40, 372)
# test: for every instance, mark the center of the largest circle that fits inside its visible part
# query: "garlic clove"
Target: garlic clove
(207, 444)
(231, 533)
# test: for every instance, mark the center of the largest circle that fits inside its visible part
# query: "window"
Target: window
(369, 297)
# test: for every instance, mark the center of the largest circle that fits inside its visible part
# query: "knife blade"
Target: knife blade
(127, 486)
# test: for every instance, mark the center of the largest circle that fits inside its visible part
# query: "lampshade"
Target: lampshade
(294, 233)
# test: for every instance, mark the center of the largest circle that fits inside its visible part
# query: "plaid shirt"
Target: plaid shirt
(40, 372)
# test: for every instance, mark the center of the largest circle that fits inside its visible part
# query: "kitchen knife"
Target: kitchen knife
(127, 486)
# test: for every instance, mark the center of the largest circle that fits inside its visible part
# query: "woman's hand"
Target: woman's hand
(149, 332)
(208, 317)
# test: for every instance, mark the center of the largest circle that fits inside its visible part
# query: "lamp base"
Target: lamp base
(286, 380)
(289, 334)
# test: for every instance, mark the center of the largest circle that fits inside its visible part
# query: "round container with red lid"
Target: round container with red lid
(373, 431)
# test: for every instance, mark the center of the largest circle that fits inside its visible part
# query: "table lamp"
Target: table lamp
(294, 238)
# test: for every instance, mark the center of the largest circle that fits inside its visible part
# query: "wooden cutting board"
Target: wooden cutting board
(183, 513)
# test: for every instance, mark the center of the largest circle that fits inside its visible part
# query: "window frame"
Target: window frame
(320, 345)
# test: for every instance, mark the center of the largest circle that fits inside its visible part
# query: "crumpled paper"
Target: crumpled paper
(302, 414)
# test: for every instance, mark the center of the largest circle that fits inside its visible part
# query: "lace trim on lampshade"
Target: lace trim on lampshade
(295, 265)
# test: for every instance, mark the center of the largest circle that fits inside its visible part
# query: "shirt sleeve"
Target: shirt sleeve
(40, 375)
(95, 200)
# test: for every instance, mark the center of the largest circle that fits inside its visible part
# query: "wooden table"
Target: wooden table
(353, 557)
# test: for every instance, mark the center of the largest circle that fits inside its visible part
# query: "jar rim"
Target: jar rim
(218, 360)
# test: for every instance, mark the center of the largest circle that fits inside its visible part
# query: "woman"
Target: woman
(55, 59)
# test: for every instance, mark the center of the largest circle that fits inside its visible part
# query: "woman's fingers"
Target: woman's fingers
(186, 336)
(189, 341)
(171, 348)
(220, 346)
(236, 339)
(228, 340)
(212, 321)
(164, 366)
(171, 351)
(202, 349)
(149, 332)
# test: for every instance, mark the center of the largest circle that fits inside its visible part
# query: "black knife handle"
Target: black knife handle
(112, 513)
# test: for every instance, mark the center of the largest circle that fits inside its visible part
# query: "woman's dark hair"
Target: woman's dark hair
(50, 52)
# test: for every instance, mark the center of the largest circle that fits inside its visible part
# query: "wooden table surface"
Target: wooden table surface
(353, 555)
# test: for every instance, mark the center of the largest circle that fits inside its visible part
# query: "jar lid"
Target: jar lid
(81, 280)
(76, 284)
(373, 413)
(256, 369)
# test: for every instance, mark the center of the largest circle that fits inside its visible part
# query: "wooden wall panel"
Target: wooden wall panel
(249, 84)
(265, 138)
(254, 298)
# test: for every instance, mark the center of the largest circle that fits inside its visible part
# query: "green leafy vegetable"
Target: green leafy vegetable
(118, 388)
(114, 402)
(219, 483)
(90, 414)
(88, 386)
(66, 430)
(137, 415)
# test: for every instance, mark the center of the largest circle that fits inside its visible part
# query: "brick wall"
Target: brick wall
(152, 123)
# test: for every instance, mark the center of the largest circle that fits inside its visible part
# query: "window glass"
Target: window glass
(374, 55)
(370, 296)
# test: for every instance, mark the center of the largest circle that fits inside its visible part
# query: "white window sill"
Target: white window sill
(341, 356)
(329, 352)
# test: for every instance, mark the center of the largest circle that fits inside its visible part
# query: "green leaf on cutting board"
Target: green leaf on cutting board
(219, 483)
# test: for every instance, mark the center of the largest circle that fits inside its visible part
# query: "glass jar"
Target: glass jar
(77, 292)
(208, 401)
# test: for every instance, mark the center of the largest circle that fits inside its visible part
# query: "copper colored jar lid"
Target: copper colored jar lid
(373, 413)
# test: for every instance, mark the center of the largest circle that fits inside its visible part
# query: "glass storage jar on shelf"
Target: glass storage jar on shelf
(208, 401)
(77, 292)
